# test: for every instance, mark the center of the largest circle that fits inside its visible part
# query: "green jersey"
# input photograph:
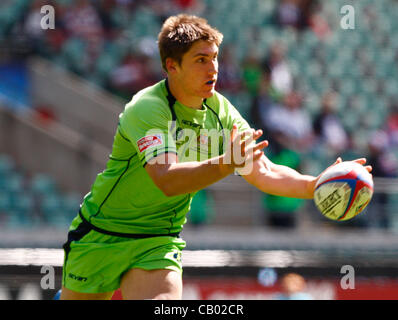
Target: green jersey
(124, 198)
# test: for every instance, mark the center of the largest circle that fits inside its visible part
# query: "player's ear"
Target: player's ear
(171, 65)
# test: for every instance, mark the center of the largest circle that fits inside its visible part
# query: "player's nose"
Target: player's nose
(213, 69)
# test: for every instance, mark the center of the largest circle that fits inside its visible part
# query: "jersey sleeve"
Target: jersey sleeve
(147, 123)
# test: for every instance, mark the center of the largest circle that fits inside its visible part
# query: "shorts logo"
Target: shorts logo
(177, 256)
(149, 141)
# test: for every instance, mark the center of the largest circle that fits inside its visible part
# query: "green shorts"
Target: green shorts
(95, 262)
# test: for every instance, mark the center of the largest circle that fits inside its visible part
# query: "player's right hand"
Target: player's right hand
(242, 150)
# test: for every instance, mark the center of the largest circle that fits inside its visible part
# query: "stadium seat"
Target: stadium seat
(14, 220)
(391, 86)
(61, 222)
(22, 201)
(42, 184)
(6, 164)
(120, 17)
(107, 61)
(143, 23)
(71, 204)
(312, 103)
(9, 16)
(51, 204)
(18, 198)
(15, 182)
(5, 201)
(55, 213)
(72, 52)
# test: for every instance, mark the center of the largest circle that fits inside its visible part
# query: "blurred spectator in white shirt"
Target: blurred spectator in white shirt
(328, 128)
(288, 13)
(289, 123)
(82, 20)
(278, 69)
(32, 24)
(132, 75)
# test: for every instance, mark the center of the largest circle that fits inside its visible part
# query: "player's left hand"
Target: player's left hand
(361, 161)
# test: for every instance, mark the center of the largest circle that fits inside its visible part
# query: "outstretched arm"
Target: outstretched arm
(283, 181)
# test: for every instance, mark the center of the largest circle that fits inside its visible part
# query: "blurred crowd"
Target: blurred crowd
(89, 31)
(92, 39)
(108, 42)
(97, 40)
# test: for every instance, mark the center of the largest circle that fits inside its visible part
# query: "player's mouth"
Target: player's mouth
(211, 82)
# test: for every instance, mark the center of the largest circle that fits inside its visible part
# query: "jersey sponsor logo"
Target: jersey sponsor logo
(78, 278)
(191, 124)
(149, 141)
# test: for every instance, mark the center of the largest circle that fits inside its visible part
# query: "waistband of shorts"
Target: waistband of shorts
(123, 234)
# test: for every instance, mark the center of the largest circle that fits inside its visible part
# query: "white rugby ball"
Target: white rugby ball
(343, 191)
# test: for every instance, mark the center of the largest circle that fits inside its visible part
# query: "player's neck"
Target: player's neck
(183, 97)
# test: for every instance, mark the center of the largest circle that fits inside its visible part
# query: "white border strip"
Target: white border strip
(215, 258)
(190, 258)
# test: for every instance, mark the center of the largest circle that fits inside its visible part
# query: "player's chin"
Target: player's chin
(209, 95)
(209, 92)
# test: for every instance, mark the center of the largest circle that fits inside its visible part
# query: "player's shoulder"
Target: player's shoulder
(227, 112)
(219, 103)
(148, 102)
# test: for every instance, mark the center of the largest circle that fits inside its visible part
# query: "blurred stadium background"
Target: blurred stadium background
(62, 89)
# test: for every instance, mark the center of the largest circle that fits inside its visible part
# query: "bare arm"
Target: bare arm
(283, 181)
(280, 180)
(175, 178)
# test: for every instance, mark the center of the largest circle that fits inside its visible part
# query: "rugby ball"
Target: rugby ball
(343, 191)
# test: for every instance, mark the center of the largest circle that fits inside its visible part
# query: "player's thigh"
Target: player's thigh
(139, 284)
(67, 294)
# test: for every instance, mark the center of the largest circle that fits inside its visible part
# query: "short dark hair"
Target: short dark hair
(180, 32)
